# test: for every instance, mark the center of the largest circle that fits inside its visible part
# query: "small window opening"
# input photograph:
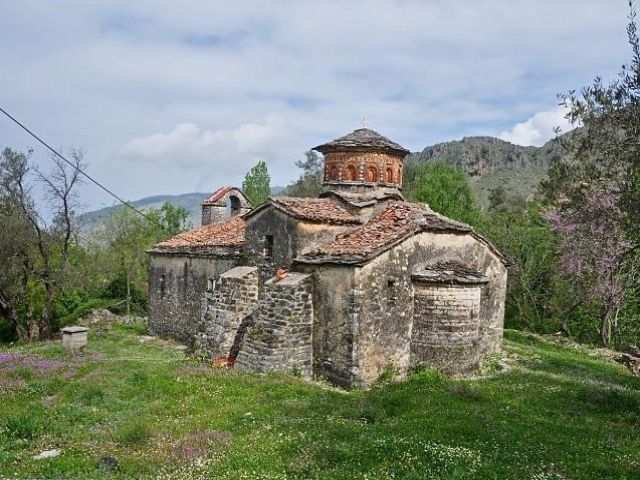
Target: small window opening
(268, 247)
(163, 285)
(234, 203)
(211, 285)
(350, 173)
(392, 291)
(372, 174)
(389, 178)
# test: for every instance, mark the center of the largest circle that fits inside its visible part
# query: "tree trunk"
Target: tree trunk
(47, 329)
(33, 333)
(128, 296)
(21, 332)
(605, 329)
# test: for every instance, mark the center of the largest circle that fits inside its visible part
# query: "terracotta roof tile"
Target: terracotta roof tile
(392, 225)
(218, 194)
(228, 233)
(319, 210)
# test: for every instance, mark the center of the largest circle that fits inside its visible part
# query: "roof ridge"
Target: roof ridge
(318, 210)
(362, 138)
(384, 230)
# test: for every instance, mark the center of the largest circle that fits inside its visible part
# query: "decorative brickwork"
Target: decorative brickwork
(371, 167)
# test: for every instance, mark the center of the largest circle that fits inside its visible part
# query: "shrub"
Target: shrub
(134, 432)
(23, 427)
(91, 395)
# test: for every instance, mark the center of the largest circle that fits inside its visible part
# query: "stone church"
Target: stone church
(345, 286)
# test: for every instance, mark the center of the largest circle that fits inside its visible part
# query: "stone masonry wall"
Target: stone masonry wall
(281, 338)
(335, 325)
(218, 213)
(226, 312)
(177, 283)
(445, 326)
(384, 311)
(385, 316)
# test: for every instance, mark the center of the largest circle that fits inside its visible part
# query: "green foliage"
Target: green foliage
(86, 308)
(23, 426)
(257, 183)
(523, 235)
(593, 191)
(68, 301)
(134, 432)
(445, 188)
(117, 289)
(310, 182)
(169, 220)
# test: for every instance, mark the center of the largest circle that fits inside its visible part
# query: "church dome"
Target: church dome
(363, 139)
(363, 162)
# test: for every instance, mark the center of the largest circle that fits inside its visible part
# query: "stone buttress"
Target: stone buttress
(227, 311)
(281, 338)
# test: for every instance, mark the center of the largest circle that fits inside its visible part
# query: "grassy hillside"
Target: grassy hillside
(134, 407)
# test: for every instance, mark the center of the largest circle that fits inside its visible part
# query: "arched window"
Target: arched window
(333, 173)
(350, 173)
(389, 177)
(372, 174)
(234, 203)
(399, 176)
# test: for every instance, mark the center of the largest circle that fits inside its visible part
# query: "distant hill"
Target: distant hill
(490, 162)
(191, 201)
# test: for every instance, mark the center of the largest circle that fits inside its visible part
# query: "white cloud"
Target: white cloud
(214, 154)
(188, 143)
(538, 129)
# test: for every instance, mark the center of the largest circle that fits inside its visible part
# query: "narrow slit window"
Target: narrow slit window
(268, 247)
(392, 290)
(163, 284)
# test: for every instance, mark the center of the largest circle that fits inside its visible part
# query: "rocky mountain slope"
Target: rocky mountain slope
(490, 162)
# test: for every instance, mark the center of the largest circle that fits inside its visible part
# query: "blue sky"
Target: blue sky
(174, 97)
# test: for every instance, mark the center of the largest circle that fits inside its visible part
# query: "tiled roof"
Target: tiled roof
(318, 210)
(362, 139)
(228, 233)
(447, 272)
(398, 221)
(219, 194)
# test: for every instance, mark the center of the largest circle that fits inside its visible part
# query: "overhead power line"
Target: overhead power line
(86, 175)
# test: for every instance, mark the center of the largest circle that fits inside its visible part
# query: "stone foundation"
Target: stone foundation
(281, 338)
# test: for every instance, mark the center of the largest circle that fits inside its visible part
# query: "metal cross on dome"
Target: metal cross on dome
(365, 124)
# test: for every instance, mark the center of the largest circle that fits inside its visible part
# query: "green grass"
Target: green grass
(558, 413)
